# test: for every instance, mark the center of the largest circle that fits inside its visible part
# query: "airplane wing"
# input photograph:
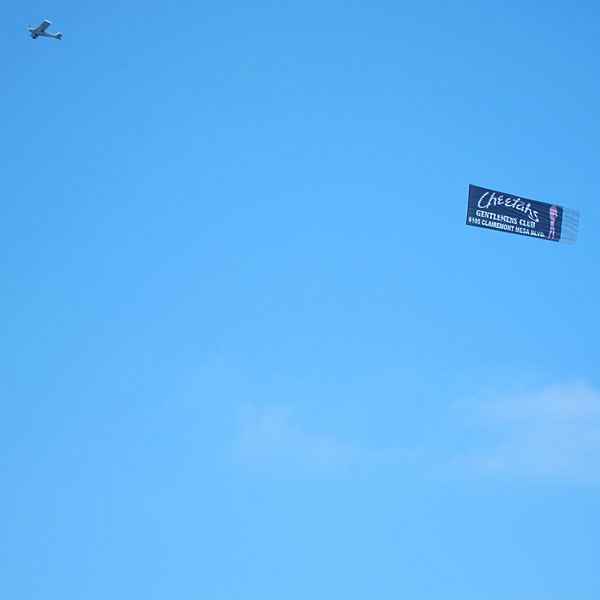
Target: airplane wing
(43, 26)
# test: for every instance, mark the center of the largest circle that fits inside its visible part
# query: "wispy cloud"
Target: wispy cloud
(552, 433)
(269, 437)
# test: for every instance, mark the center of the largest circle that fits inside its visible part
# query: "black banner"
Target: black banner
(505, 212)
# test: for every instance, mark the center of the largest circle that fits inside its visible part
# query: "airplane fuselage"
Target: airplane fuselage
(36, 33)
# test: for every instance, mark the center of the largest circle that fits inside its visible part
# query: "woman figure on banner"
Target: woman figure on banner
(553, 214)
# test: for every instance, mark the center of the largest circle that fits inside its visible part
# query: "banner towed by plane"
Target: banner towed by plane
(505, 212)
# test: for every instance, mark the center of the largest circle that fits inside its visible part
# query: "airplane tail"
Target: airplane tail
(59, 36)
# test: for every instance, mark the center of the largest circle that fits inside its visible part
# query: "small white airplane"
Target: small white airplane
(41, 30)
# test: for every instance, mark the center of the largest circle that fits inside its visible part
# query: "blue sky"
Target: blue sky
(250, 348)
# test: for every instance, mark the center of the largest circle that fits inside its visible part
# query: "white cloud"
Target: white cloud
(552, 434)
(269, 437)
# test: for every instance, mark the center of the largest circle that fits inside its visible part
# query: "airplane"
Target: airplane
(41, 30)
